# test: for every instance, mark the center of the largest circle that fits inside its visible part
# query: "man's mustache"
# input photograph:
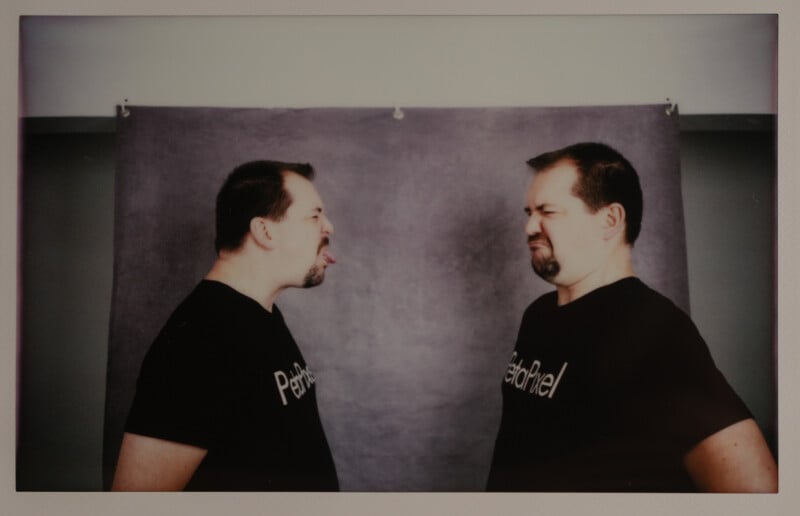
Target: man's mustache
(323, 243)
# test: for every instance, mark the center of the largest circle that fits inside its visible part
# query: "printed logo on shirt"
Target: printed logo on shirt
(298, 381)
(533, 379)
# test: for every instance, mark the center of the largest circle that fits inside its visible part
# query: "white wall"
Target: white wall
(80, 66)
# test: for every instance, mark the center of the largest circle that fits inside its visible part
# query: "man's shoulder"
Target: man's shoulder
(645, 299)
(197, 309)
(648, 312)
(205, 313)
(206, 330)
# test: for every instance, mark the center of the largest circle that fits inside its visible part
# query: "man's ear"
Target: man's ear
(613, 220)
(262, 232)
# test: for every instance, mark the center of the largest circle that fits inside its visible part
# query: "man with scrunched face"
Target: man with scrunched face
(225, 400)
(610, 387)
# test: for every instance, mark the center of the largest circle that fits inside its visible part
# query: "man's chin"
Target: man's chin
(314, 277)
(547, 270)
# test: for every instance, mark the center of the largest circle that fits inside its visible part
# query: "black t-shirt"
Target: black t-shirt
(226, 375)
(607, 393)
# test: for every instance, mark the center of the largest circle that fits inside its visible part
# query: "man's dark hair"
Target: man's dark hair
(254, 189)
(604, 177)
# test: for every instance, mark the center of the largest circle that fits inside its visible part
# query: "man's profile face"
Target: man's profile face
(563, 235)
(303, 234)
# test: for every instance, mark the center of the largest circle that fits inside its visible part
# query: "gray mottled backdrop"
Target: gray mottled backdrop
(411, 332)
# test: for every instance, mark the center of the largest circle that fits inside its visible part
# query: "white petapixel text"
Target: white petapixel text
(298, 381)
(532, 379)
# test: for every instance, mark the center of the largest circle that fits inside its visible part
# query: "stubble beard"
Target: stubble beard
(314, 276)
(544, 264)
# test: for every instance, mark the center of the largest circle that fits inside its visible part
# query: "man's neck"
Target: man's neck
(245, 277)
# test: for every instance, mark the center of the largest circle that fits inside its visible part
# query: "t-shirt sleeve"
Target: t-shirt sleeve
(175, 397)
(692, 398)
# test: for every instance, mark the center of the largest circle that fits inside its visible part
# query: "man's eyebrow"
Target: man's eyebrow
(538, 207)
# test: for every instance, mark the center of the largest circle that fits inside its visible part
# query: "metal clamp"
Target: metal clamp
(671, 107)
(123, 109)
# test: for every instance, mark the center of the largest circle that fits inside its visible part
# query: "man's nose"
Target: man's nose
(534, 225)
(327, 226)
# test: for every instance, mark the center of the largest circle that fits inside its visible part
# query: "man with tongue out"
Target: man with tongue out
(225, 400)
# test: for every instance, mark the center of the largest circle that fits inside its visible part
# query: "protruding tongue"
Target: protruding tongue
(328, 256)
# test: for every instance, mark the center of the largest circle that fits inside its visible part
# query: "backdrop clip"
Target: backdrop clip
(123, 109)
(671, 107)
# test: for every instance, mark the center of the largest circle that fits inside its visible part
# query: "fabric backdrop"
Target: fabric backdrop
(410, 334)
